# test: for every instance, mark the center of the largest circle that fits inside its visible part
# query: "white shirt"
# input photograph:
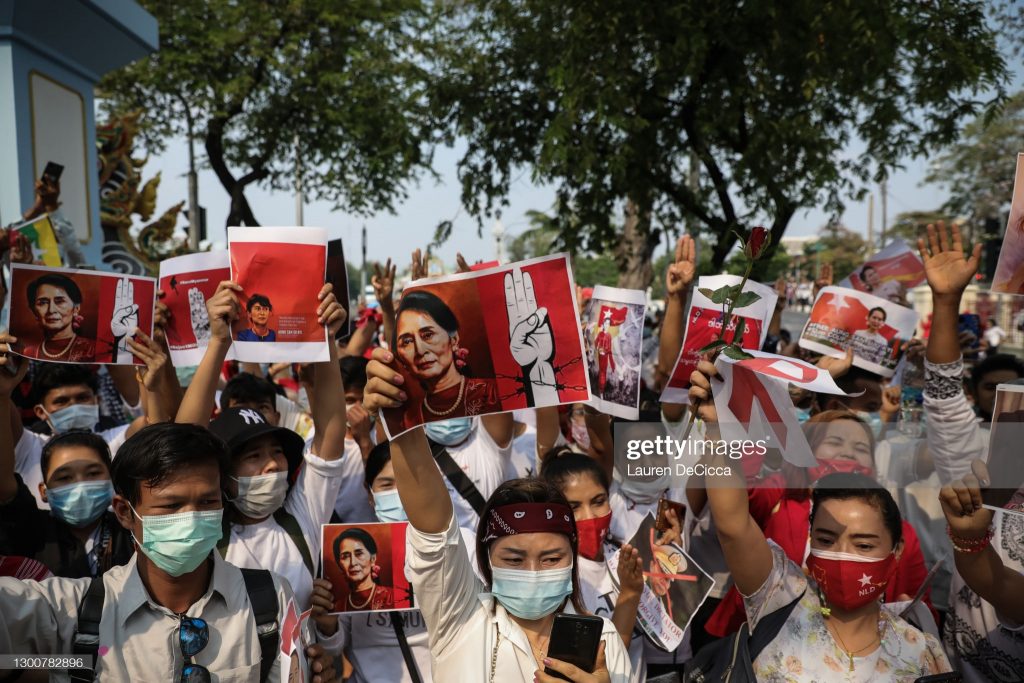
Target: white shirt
(599, 597)
(487, 466)
(353, 503)
(869, 345)
(266, 545)
(28, 454)
(524, 454)
(995, 335)
(466, 627)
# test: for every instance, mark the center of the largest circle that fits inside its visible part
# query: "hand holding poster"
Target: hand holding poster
(889, 273)
(281, 272)
(60, 315)
(187, 282)
(1009, 276)
(877, 330)
(614, 327)
(366, 565)
(704, 322)
(487, 342)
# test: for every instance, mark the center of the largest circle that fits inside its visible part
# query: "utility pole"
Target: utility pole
(193, 185)
(362, 268)
(871, 222)
(298, 183)
(885, 212)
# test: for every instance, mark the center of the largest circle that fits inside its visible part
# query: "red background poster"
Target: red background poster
(180, 334)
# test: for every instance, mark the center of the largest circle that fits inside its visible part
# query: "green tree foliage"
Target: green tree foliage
(840, 246)
(335, 84)
(979, 168)
(543, 237)
(609, 101)
(910, 225)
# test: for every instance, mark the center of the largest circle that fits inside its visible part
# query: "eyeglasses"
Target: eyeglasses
(193, 636)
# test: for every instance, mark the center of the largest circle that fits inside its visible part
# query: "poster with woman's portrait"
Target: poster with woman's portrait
(1009, 275)
(613, 331)
(187, 282)
(61, 315)
(365, 564)
(487, 342)
(1005, 466)
(281, 272)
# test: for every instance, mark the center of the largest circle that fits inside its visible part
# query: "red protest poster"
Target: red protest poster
(889, 273)
(187, 282)
(488, 342)
(61, 315)
(366, 565)
(281, 272)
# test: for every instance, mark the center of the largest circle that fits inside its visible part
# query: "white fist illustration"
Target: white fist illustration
(126, 314)
(200, 318)
(531, 341)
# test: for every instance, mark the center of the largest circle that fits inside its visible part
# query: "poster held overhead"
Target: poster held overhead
(613, 331)
(889, 273)
(187, 283)
(366, 565)
(281, 272)
(1009, 275)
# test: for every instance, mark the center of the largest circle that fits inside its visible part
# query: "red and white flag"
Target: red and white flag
(753, 403)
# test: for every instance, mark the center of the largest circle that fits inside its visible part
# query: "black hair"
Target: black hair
(885, 316)
(54, 280)
(531, 490)
(76, 437)
(257, 299)
(52, 376)
(353, 371)
(997, 361)
(356, 534)
(851, 485)
(848, 383)
(159, 452)
(557, 470)
(865, 269)
(379, 456)
(247, 388)
(432, 305)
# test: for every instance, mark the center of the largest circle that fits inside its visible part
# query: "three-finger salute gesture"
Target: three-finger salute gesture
(531, 341)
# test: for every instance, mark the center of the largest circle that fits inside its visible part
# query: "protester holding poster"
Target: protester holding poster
(614, 325)
(187, 282)
(461, 358)
(889, 273)
(78, 316)
(365, 564)
(279, 271)
(877, 330)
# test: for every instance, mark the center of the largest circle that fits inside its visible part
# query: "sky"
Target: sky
(430, 202)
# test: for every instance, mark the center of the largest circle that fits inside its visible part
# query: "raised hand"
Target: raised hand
(946, 267)
(329, 312)
(418, 270)
(222, 309)
(383, 282)
(383, 383)
(126, 314)
(9, 362)
(199, 315)
(961, 503)
(824, 279)
(323, 603)
(150, 353)
(681, 271)
(892, 397)
(700, 390)
(837, 367)
(531, 341)
(630, 571)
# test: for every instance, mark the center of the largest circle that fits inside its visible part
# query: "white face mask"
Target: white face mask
(262, 495)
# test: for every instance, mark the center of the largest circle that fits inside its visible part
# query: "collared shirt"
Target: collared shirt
(467, 628)
(138, 638)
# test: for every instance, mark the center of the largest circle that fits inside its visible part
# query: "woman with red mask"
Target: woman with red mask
(837, 627)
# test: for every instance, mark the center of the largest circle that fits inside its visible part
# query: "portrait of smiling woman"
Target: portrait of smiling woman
(427, 346)
(56, 301)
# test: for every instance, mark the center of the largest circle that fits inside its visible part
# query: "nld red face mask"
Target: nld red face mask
(832, 465)
(591, 535)
(850, 581)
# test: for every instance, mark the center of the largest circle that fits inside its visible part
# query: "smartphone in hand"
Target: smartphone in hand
(52, 171)
(575, 639)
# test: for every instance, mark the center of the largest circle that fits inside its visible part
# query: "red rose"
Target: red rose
(760, 236)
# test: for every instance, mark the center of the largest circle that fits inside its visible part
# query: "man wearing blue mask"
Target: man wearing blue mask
(175, 607)
(78, 536)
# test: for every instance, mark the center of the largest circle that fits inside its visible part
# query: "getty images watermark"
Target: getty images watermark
(649, 450)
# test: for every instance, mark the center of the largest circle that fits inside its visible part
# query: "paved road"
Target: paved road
(794, 321)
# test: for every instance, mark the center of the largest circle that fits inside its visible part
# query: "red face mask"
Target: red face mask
(591, 534)
(850, 581)
(837, 465)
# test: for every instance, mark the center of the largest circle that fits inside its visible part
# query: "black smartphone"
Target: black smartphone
(53, 171)
(574, 639)
(970, 322)
(951, 677)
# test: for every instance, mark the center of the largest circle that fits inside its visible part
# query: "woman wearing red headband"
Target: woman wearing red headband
(526, 552)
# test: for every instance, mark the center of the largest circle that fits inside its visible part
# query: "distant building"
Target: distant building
(794, 246)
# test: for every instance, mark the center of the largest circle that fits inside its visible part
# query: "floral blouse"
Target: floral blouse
(805, 651)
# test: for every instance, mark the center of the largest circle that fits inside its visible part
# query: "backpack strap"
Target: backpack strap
(458, 478)
(769, 627)
(292, 528)
(403, 645)
(87, 631)
(263, 600)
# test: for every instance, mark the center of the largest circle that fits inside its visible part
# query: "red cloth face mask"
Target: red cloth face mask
(591, 535)
(850, 581)
(838, 465)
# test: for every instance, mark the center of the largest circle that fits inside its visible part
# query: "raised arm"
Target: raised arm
(417, 477)
(678, 277)
(383, 282)
(223, 309)
(328, 403)
(8, 484)
(160, 391)
(744, 546)
(948, 271)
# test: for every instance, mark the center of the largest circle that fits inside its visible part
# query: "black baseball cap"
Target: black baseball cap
(237, 426)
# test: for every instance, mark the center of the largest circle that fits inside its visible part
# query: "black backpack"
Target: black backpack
(262, 597)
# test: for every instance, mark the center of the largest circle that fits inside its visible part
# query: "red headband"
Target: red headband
(529, 518)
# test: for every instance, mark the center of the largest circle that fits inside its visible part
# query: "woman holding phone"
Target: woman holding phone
(526, 552)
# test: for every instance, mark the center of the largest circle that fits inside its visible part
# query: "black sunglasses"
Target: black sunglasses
(193, 636)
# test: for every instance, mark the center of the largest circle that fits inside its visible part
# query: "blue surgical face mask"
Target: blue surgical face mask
(179, 543)
(531, 595)
(388, 506)
(874, 421)
(81, 503)
(803, 414)
(77, 416)
(449, 432)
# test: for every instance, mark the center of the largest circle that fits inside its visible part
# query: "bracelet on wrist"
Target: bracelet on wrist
(969, 546)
